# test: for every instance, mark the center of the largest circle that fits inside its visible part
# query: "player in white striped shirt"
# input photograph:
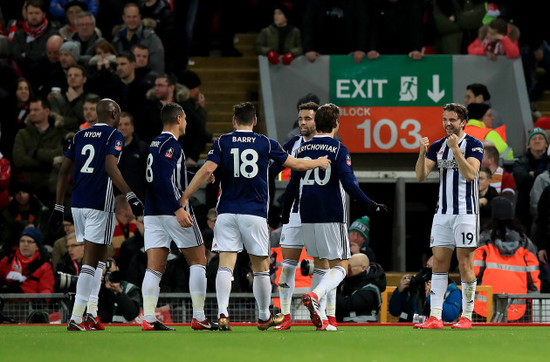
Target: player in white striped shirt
(456, 221)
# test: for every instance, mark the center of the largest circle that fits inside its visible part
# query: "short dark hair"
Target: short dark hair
(487, 170)
(500, 25)
(244, 113)
(326, 117)
(139, 46)
(310, 106)
(129, 5)
(170, 78)
(128, 55)
(44, 100)
(78, 66)
(92, 98)
(492, 153)
(169, 112)
(36, 4)
(477, 89)
(310, 97)
(128, 115)
(459, 109)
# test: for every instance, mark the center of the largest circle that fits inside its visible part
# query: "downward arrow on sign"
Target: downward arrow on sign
(436, 94)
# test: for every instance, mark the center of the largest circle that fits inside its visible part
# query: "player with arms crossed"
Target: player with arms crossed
(166, 177)
(94, 154)
(456, 220)
(291, 234)
(322, 206)
(243, 158)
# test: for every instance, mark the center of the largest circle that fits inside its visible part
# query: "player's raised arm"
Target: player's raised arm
(300, 164)
(423, 165)
(467, 167)
(203, 174)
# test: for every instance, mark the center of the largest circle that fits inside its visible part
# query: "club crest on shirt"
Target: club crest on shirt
(348, 159)
(118, 145)
(169, 153)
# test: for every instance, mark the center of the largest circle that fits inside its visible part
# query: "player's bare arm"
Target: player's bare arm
(423, 165)
(111, 166)
(467, 167)
(184, 218)
(203, 174)
(301, 164)
(64, 170)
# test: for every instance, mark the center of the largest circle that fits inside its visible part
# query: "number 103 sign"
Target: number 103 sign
(389, 129)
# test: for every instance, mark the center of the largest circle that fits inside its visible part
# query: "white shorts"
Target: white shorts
(161, 230)
(291, 234)
(450, 231)
(233, 232)
(326, 240)
(95, 226)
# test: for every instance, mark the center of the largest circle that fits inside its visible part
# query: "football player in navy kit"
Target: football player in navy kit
(167, 177)
(94, 154)
(243, 159)
(322, 205)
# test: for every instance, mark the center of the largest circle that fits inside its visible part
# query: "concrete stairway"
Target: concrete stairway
(227, 81)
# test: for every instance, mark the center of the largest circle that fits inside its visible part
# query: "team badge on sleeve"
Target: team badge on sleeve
(118, 145)
(348, 159)
(169, 153)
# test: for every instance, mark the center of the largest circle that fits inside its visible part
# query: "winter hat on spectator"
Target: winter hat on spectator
(477, 110)
(73, 48)
(190, 79)
(285, 8)
(543, 122)
(536, 131)
(501, 209)
(33, 233)
(361, 226)
(80, 4)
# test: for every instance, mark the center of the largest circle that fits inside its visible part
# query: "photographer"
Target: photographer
(119, 300)
(358, 298)
(411, 299)
(68, 268)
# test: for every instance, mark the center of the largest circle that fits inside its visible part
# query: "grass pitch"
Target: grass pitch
(377, 343)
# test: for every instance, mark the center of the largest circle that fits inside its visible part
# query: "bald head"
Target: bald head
(358, 263)
(108, 112)
(53, 45)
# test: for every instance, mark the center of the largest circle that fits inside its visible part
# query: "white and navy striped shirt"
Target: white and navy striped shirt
(456, 195)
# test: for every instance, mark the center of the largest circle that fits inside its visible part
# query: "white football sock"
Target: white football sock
(261, 287)
(287, 282)
(197, 289)
(94, 294)
(83, 287)
(223, 289)
(440, 281)
(468, 293)
(330, 281)
(331, 303)
(150, 291)
(318, 275)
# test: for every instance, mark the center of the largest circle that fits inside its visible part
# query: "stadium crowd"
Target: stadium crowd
(58, 58)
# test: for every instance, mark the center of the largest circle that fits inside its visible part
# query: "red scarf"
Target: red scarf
(20, 263)
(35, 33)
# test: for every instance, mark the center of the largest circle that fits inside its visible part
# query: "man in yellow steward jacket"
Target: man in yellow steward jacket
(480, 121)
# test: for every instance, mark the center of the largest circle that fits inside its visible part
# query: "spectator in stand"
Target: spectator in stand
(531, 164)
(358, 235)
(133, 160)
(59, 8)
(89, 110)
(544, 123)
(335, 28)
(29, 43)
(35, 148)
(542, 238)
(143, 69)
(24, 210)
(208, 233)
(60, 245)
(456, 23)
(68, 269)
(134, 33)
(196, 135)
(410, 301)
(397, 28)
(358, 297)
(496, 38)
(101, 66)
(27, 270)
(70, 104)
(87, 35)
(480, 126)
(72, 9)
(129, 249)
(280, 38)
(486, 194)
(15, 120)
(501, 180)
(49, 72)
(506, 260)
(5, 176)
(159, 14)
(69, 55)
(541, 182)
(478, 93)
(125, 223)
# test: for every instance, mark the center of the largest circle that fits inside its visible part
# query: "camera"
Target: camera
(113, 277)
(418, 280)
(66, 281)
(307, 267)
